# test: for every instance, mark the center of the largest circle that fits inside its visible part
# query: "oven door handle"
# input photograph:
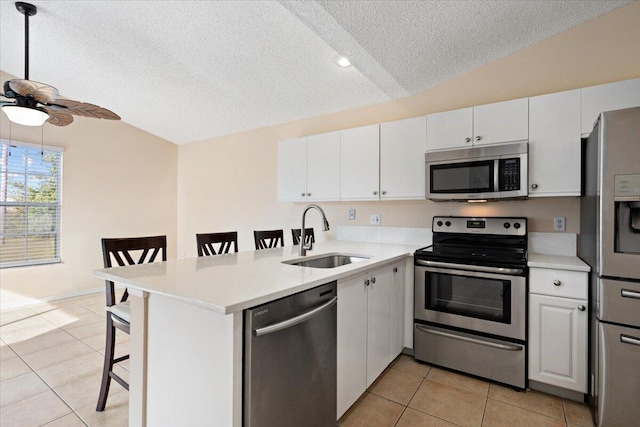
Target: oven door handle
(482, 268)
(471, 340)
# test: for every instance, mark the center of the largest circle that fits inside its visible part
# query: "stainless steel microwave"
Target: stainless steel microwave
(480, 173)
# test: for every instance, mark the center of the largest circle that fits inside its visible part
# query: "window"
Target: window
(30, 181)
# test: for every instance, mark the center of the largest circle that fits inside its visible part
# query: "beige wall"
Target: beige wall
(117, 181)
(230, 183)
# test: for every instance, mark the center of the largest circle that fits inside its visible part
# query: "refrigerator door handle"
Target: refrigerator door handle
(627, 339)
(626, 293)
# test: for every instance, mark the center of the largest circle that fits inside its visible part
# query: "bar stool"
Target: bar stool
(207, 243)
(123, 251)
(267, 239)
(308, 235)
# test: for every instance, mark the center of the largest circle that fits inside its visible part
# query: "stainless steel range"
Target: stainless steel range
(471, 297)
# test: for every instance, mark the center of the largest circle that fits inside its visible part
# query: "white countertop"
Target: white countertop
(233, 282)
(558, 262)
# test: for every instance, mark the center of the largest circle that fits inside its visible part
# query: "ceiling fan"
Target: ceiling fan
(34, 102)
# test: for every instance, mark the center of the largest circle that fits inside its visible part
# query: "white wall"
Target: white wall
(117, 181)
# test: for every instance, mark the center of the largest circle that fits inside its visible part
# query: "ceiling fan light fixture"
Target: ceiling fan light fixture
(343, 61)
(24, 115)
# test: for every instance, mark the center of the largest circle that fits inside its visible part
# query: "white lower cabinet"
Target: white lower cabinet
(370, 319)
(558, 337)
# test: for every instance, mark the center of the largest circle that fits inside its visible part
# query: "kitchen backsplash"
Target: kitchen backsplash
(541, 243)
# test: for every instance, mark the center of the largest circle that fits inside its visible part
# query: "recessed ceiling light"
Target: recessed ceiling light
(343, 62)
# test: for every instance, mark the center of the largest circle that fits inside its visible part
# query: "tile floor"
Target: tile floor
(51, 363)
(411, 394)
(51, 359)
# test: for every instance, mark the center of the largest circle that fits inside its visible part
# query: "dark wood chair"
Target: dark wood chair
(267, 239)
(216, 243)
(308, 235)
(124, 251)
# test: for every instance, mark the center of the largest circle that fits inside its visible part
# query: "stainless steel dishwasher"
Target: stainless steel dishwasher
(290, 360)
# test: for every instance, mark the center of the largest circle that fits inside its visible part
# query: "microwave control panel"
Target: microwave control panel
(509, 174)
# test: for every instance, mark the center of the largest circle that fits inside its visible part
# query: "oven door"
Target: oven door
(476, 298)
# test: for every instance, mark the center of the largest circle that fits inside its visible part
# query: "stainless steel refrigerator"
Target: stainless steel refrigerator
(610, 243)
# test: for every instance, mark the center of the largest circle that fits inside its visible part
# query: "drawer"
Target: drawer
(558, 283)
(619, 302)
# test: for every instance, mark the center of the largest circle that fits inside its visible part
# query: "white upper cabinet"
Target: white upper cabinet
(309, 168)
(607, 97)
(554, 144)
(450, 129)
(501, 122)
(360, 163)
(292, 170)
(402, 147)
(323, 167)
(486, 124)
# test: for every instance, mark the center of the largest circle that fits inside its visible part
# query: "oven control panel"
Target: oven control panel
(505, 226)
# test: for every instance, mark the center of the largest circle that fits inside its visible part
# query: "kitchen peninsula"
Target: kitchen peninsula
(187, 323)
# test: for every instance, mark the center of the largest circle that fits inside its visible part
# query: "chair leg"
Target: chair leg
(108, 364)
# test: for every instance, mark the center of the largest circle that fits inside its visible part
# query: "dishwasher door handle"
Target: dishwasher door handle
(295, 320)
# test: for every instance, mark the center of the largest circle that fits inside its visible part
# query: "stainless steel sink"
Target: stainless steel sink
(331, 260)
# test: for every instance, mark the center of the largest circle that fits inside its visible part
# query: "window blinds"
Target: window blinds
(30, 189)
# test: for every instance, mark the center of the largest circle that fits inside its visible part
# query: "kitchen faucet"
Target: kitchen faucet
(325, 227)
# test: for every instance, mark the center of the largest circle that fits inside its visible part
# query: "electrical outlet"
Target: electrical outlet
(374, 219)
(352, 214)
(558, 223)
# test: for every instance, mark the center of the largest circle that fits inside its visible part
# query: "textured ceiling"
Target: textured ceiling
(193, 70)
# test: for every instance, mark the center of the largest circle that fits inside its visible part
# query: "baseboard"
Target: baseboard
(31, 301)
(576, 396)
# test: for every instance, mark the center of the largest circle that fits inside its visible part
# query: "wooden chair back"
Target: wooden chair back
(216, 243)
(308, 235)
(130, 251)
(267, 239)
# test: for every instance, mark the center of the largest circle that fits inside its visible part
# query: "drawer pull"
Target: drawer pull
(582, 308)
(557, 282)
(626, 293)
(630, 340)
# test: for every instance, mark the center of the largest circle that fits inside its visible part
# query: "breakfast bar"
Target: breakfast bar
(187, 323)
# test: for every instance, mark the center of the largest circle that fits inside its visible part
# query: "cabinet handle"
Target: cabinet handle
(582, 308)
(467, 140)
(366, 282)
(308, 194)
(384, 192)
(478, 138)
(557, 282)
(302, 194)
(373, 280)
(534, 186)
(375, 193)
(395, 269)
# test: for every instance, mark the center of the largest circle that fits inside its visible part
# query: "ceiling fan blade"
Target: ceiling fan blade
(85, 109)
(58, 118)
(41, 92)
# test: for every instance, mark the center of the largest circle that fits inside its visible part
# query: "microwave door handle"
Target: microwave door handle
(496, 176)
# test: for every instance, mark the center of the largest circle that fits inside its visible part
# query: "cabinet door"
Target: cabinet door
(292, 170)
(607, 97)
(352, 342)
(554, 144)
(558, 342)
(360, 163)
(402, 147)
(379, 322)
(501, 122)
(323, 167)
(450, 129)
